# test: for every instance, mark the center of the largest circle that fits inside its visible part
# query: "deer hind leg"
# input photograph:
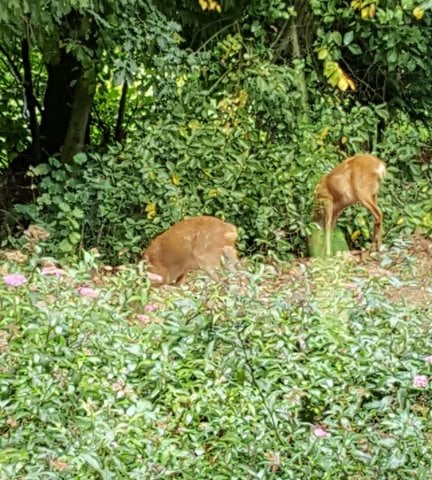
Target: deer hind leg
(328, 222)
(180, 280)
(209, 263)
(336, 211)
(371, 204)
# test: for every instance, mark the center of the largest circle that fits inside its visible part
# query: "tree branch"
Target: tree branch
(119, 131)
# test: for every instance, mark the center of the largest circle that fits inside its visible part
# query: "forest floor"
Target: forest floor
(404, 272)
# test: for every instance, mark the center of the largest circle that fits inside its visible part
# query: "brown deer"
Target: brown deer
(356, 179)
(203, 242)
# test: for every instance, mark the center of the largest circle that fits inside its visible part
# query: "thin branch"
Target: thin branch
(119, 131)
(16, 73)
(213, 87)
(103, 126)
(226, 27)
(254, 380)
(279, 35)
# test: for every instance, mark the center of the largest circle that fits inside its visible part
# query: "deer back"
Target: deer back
(194, 243)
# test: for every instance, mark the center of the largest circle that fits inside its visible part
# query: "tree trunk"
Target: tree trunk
(82, 104)
(294, 41)
(15, 185)
(59, 94)
(55, 114)
(119, 132)
(301, 78)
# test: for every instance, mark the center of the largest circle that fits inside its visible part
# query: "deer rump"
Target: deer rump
(197, 243)
(356, 180)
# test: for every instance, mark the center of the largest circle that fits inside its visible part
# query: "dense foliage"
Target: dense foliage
(229, 108)
(187, 165)
(271, 376)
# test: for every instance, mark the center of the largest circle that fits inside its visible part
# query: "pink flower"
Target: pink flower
(150, 307)
(88, 292)
(121, 389)
(58, 272)
(428, 359)
(143, 318)
(420, 381)
(14, 279)
(320, 432)
(119, 385)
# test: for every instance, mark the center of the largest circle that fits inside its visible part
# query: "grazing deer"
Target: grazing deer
(356, 179)
(204, 243)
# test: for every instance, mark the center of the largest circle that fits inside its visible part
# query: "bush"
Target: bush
(246, 155)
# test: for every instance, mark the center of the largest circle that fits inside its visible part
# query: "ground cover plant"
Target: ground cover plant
(314, 369)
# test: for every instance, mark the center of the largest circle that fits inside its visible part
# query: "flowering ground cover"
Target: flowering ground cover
(316, 369)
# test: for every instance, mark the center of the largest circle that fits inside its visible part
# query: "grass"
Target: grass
(318, 369)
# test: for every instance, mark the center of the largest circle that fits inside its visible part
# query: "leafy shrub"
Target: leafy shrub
(246, 154)
(407, 192)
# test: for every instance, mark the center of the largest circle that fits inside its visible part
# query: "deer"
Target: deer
(356, 180)
(197, 243)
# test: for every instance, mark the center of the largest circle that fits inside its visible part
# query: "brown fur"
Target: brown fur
(356, 179)
(195, 243)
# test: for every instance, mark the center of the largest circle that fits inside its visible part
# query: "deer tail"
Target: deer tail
(381, 170)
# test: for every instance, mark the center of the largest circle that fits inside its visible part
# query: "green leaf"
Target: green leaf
(337, 37)
(65, 246)
(322, 53)
(78, 213)
(392, 56)
(74, 238)
(348, 37)
(64, 207)
(91, 460)
(355, 49)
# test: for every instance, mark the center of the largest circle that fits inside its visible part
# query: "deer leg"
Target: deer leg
(214, 262)
(210, 263)
(331, 219)
(230, 259)
(337, 210)
(328, 222)
(371, 205)
(180, 280)
(377, 235)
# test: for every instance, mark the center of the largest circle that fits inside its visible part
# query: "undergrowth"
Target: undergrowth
(311, 371)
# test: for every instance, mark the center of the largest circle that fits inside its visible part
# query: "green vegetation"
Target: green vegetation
(119, 200)
(276, 374)
(121, 117)
(228, 108)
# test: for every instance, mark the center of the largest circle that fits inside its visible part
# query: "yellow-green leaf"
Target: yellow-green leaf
(418, 13)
